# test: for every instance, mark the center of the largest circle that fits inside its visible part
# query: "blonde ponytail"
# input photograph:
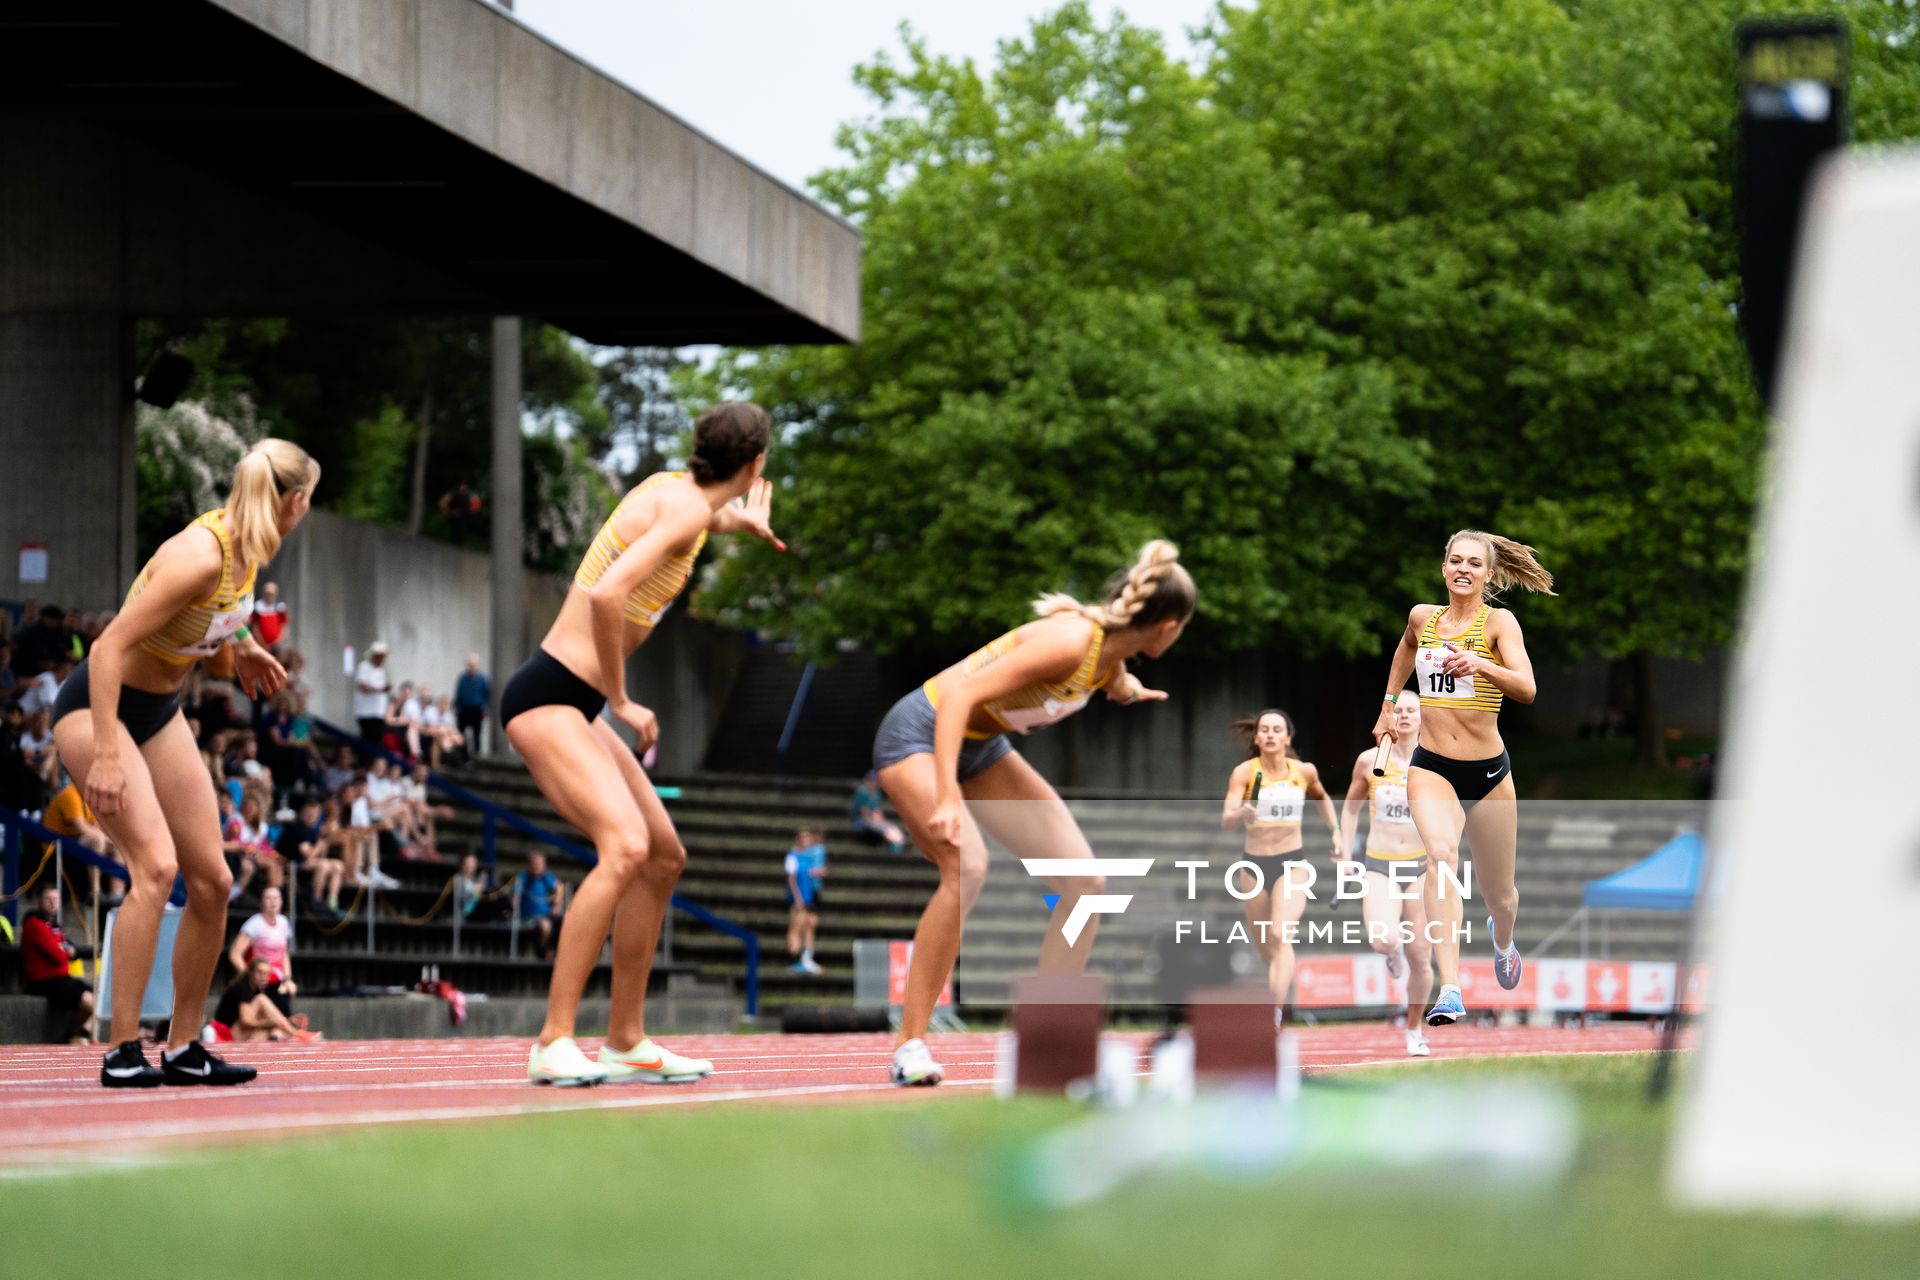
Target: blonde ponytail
(1511, 563)
(1154, 589)
(269, 471)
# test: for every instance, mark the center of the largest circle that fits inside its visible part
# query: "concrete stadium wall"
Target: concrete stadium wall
(351, 583)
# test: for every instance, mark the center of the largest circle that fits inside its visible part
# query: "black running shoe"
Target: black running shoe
(127, 1068)
(194, 1065)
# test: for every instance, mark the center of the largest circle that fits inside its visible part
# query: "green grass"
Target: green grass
(893, 1190)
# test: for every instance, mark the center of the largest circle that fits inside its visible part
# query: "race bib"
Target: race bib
(1027, 719)
(222, 628)
(1435, 685)
(1390, 804)
(1280, 804)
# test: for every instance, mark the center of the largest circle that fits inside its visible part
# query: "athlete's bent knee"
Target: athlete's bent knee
(623, 855)
(153, 876)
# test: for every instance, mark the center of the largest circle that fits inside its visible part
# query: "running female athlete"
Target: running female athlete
(1466, 657)
(1267, 794)
(118, 727)
(946, 743)
(1395, 864)
(550, 710)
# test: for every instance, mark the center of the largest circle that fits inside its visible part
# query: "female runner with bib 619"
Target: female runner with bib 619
(1466, 657)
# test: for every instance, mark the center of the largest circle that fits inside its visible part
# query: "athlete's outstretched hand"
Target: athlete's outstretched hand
(645, 725)
(754, 512)
(1383, 727)
(1128, 690)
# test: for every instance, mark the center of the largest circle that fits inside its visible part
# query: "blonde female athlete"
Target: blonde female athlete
(1267, 794)
(1466, 657)
(946, 743)
(119, 731)
(1395, 864)
(550, 710)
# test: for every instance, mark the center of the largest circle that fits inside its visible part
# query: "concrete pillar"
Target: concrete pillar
(66, 413)
(510, 641)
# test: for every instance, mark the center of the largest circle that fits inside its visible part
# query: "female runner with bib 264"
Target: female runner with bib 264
(1466, 657)
(946, 743)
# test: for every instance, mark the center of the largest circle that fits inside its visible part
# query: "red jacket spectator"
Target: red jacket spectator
(269, 615)
(43, 950)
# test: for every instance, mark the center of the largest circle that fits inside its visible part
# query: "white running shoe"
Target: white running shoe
(648, 1063)
(381, 880)
(563, 1065)
(809, 965)
(1417, 1045)
(913, 1065)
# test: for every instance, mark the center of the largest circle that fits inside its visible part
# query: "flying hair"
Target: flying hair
(268, 473)
(1153, 590)
(1247, 730)
(1512, 563)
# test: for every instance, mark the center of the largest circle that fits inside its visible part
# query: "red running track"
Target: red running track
(53, 1110)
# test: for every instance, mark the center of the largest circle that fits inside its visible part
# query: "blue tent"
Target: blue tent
(1668, 879)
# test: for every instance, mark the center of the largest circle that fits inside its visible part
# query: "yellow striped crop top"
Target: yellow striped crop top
(1281, 801)
(1037, 705)
(199, 630)
(647, 603)
(1456, 693)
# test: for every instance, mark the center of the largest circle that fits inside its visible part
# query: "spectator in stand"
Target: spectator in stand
(21, 789)
(476, 888)
(868, 811)
(93, 625)
(45, 957)
(40, 645)
(270, 617)
(249, 1011)
(370, 684)
(244, 838)
(297, 683)
(362, 833)
(420, 813)
(292, 762)
(242, 763)
(341, 771)
(444, 740)
(403, 722)
(472, 697)
(39, 692)
(302, 843)
(461, 506)
(9, 679)
(36, 744)
(541, 899)
(806, 868)
(267, 936)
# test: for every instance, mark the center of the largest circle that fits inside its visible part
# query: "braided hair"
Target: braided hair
(1154, 589)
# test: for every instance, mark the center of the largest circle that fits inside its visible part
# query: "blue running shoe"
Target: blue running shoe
(1506, 967)
(1449, 1008)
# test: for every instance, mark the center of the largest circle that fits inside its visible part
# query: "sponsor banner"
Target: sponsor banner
(1562, 985)
(1324, 982)
(899, 959)
(1650, 986)
(1695, 990)
(1481, 990)
(1372, 986)
(1609, 983)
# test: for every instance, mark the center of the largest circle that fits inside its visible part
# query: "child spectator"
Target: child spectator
(45, 956)
(806, 867)
(475, 888)
(541, 898)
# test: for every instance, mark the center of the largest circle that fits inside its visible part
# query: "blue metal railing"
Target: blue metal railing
(493, 816)
(15, 826)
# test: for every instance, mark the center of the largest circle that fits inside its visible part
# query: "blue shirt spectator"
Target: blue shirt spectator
(541, 898)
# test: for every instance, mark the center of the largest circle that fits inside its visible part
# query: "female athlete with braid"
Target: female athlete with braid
(946, 743)
(1467, 657)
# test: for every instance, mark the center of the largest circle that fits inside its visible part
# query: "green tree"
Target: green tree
(1068, 350)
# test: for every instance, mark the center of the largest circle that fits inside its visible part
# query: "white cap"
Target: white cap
(378, 646)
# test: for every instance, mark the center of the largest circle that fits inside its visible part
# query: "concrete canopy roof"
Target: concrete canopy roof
(283, 156)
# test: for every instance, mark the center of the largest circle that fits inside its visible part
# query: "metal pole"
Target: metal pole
(513, 925)
(459, 909)
(508, 542)
(372, 892)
